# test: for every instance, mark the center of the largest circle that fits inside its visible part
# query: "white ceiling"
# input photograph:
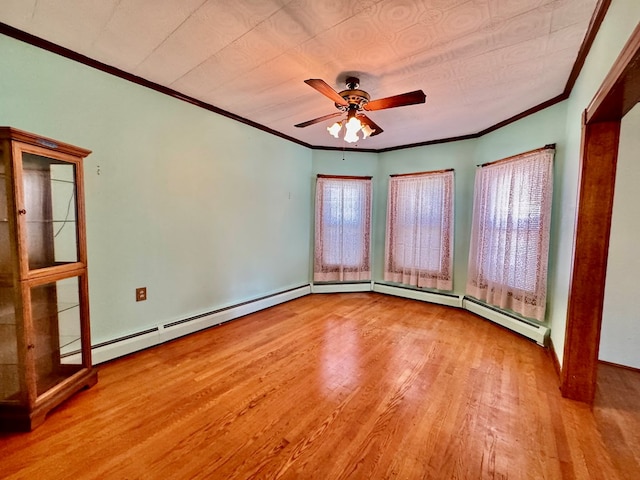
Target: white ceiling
(478, 61)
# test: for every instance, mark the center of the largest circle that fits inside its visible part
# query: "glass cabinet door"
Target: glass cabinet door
(57, 331)
(9, 374)
(50, 211)
(9, 368)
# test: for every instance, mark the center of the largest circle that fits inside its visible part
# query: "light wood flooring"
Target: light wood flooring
(340, 386)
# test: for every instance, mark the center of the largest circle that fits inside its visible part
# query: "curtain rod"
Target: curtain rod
(421, 173)
(550, 146)
(346, 177)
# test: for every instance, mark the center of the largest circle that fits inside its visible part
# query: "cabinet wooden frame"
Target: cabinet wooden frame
(16, 171)
(48, 371)
(34, 400)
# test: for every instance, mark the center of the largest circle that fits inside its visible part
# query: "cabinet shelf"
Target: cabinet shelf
(7, 319)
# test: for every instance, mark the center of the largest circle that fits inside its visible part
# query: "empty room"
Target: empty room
(386, 239)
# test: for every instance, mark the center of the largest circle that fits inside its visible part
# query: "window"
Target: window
(419, 236)
(342, 229)
(510, 233)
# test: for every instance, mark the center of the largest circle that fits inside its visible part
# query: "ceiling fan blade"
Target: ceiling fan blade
(318, 120)
(372, 125)
(325, 89)
(409, 98)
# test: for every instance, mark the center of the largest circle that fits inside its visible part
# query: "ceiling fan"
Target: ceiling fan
(353, 101)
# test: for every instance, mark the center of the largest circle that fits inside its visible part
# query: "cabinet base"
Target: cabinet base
(19, 418)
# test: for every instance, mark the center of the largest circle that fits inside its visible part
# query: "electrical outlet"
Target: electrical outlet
(141, 294)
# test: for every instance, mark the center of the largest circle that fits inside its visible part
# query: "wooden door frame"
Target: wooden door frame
(618, 94)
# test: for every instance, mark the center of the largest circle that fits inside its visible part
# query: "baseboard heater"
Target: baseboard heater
(118, 347)
(164, 332)
(441, 298)
(342, 287)
(537, 333)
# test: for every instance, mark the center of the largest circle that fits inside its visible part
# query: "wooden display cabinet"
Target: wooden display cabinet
(45, 343)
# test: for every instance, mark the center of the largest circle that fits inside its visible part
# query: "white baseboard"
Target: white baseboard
(121, 347)
(538, 333)
(342, 287)
(168, 331)
(451, 300)
(165, 332)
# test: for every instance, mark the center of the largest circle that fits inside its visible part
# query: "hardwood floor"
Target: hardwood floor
(341, 386)
(616, 411)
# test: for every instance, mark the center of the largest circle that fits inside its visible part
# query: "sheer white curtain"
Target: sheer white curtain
(419, 235)
(342, 229)
(510, 233)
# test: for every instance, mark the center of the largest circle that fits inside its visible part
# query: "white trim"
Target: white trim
(124, 347)
(451, 300)
(342, 287)
(165, 332)
(538, 333)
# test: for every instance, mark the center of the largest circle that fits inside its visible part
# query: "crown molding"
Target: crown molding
(594, 26)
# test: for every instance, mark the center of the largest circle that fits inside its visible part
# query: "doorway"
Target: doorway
(617, 95)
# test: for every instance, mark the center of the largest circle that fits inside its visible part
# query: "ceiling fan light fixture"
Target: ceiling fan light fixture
(335, 129)
(367, 131)
(353, 126)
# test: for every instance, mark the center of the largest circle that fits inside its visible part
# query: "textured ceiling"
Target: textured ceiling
(479, 62)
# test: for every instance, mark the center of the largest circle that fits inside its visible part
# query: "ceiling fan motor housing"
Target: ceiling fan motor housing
(355, 97)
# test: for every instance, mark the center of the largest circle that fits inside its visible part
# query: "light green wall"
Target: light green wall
(532, 132)
(334, 162)
(207, 212)
(202, 210)
(459, 156)
(621, 19)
